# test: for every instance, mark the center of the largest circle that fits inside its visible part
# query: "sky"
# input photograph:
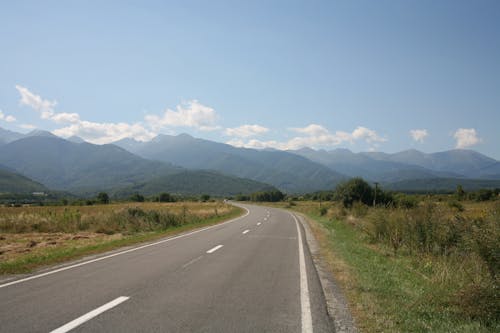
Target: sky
(363, 75)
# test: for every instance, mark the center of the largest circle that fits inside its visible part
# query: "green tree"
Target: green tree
(165, 197)
(205, 197)
(354, 190)
(103, 198)
(137, 197)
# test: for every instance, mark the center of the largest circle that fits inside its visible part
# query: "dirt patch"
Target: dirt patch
(13, 246)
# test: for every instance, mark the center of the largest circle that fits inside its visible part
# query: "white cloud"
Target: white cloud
(370, 136)
(314, 136)
(98, 133)
(189, 114)
(101, 133)
(466, 137)
(27, 126)
(45, 107)
(419, 135)
(257, 144)
(245, 131)
(63, 117)
(313, 130)
(7, 118)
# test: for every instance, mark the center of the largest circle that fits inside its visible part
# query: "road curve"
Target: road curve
(248, 275)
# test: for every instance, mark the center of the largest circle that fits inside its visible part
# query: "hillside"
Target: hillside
(191, 182)
(11, 182)
(286, 171)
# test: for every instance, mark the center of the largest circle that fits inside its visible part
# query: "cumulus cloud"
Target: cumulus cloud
(245, 131)
(466, 137)
(101, 133)
(419, 135)
(189, 114)
(62, 118)
(315, 136)
(7, 118)
(45, 107)
(94, 132)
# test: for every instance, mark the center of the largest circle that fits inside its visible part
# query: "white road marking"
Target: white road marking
(192, 261)
(212, 250)
(244, 232)
(119, 253)
(305, 303)
(86, 317)
(259, 223)
(265, 218)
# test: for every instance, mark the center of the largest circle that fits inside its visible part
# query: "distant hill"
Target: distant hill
(192, 182)
(78, 167)
(286, 171)
(441, 184)
(7, 136)
(406, 165)
(463, 162)
(11, 182)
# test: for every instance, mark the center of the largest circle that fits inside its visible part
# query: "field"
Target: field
(429, 268)
(31, 237)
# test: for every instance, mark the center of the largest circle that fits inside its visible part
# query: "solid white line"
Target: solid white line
(212, 250)
(86, 317)
(259, 223)
(119, 253)
(305, 303)
(244, 232)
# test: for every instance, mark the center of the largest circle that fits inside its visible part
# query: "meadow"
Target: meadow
(31, 237)
(432, 266)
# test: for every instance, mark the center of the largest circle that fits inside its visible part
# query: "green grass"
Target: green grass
(390, 293)
(29, 262)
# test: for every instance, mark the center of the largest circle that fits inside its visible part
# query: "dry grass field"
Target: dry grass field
(35, 236)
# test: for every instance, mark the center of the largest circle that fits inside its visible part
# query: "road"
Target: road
(251, 274)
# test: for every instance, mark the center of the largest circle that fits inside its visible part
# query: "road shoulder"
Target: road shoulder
(337, 306)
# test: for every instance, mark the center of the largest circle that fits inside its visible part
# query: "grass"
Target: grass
(75, 244)
(402, 292)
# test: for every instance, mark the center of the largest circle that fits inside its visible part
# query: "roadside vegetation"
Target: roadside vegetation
(411, 263)
(32, 236)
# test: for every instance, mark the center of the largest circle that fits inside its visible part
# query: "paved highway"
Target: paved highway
(251, 274)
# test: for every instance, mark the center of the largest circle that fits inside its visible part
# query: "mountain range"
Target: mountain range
(187, 165)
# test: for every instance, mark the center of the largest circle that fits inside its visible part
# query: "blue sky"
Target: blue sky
(363, 75)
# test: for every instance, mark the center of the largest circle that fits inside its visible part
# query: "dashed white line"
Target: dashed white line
(120, 253)
(246, 231)
(212, 250)
(86, 317)
(192, 262)
(259, 223)
(305, 303)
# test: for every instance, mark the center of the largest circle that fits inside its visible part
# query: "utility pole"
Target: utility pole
(375, 196)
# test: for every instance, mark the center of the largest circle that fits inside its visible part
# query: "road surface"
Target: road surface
(251, 274)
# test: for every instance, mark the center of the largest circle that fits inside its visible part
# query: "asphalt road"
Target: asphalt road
(250, 274)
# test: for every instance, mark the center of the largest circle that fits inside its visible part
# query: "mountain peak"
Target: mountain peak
(38, 132)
